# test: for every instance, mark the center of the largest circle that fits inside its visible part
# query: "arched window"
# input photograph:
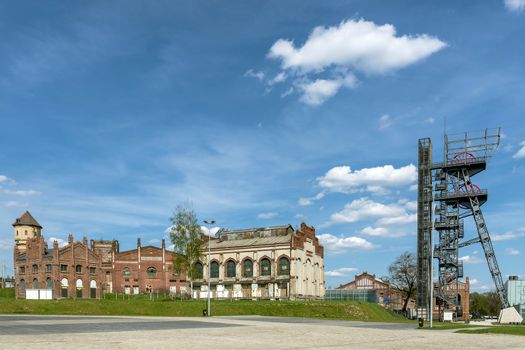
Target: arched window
(198, 270)
(36, 285)
(80, 287)
(93, 289)
(126, 272)
(49, 283)
(214, 269)
(152, 272)
(266, 267)
(247, 268)
(34, 269)
(78, 269)
(23, 286)
(284, 266)
(230, 269)
(63, 287)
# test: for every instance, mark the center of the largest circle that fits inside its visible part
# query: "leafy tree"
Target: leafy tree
(186, 236)
(486, 304)
(403, 275)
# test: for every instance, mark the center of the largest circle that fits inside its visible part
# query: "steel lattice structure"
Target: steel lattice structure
(456, 197)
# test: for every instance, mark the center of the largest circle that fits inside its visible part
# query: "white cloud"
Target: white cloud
(338, 245)
(303, 201)
(268, 215)
(521, 152)
(341, 272)
(343, 179)
(515, 5)
(385, 121)
(300, 216)
(3, 178)
(512, 251)
(318, 91)
(360, 44)
(13, 204)
(398, 220)
(253, 74)
(364, 208)
(473, 282)
(352, 46)
(154, 240)
(470, 259)
(61, 242)
(381, 232)
(430, 120)
(507, 236)
(279, 78)
(23, 193)
(6, 244)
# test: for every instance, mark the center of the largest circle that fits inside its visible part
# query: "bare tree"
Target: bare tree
(186, 236)
(403, 275)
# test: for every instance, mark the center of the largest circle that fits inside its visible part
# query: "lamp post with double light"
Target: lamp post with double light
(208, 226)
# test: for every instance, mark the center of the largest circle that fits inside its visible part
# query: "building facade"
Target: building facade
(515, 289)
(462, 289)
(385, 294)
(79, 270)
(275, 263)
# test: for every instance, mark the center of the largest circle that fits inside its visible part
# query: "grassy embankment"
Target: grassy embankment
(142, 306)
(514, 330)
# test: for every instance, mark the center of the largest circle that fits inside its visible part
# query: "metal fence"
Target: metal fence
(369, 296)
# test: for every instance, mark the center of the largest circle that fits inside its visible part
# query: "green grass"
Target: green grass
(142, 306)
(447, 325)
(515, 330)
(7, 293)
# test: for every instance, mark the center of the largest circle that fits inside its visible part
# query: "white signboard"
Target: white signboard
(237, 291)
(39, 294)
(173, 290)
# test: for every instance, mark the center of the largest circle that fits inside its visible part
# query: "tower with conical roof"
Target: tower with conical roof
(25, 227)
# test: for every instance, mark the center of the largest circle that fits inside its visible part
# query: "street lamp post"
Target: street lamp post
(208, 224)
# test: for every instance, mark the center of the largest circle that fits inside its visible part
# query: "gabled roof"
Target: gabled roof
(27, 220)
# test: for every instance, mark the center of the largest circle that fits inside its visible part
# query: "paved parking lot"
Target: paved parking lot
(77, 332)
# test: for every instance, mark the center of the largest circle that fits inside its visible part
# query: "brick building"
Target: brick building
(79, 270)
(462, 291)
(385, 294)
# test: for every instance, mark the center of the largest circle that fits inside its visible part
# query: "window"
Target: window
(34, 269)
(22, 269)
(63, 268)
(266, 267)
(78, 269)
(230, 269)
(284, 266)
(26, 232)
(92, 270)
(248, 268)
(49, 268)
(49, 283)
(126, 273)
(22, 286)
(174, 274)
(152, 272)
(36, 285)
(214, 272)
(198, 270)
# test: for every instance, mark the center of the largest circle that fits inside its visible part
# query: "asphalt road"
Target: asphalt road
(247, 332)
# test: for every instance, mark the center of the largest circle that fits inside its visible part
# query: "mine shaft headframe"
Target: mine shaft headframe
(471, 145)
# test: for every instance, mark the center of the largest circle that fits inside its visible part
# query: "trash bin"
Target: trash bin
(204, 312)
(420, 322)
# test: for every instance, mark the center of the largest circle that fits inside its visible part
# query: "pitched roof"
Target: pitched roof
(27, 220)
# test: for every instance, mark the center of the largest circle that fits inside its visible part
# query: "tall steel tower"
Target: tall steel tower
(456, 198)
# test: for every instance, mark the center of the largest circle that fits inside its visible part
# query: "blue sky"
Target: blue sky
(260, 114)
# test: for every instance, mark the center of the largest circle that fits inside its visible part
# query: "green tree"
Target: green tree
(187, 239)
(403, 275)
